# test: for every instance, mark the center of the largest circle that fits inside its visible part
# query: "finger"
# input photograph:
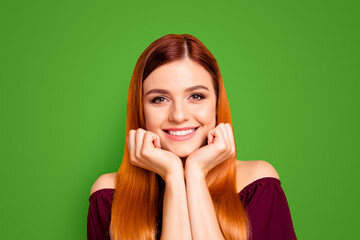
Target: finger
(155, 140)
(231, 136)
(139, 136)
(211, 135)
(224, 130)
(227, 138)
(151, 141)
(218, 137)
(214, 134)
(220, 140)
(131, 144)
(217, 133)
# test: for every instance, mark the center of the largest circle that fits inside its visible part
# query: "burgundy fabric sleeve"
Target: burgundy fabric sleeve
(268, 210)
(264, 200)
(99, 215)
(98, 219)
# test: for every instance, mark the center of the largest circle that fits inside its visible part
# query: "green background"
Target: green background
(291, 70)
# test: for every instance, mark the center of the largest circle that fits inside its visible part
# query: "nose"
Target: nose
(178, 113)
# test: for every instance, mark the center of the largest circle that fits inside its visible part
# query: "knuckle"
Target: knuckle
(132, 160)
(144, 153)
(137, 131)
(147, 134)
(137, 154)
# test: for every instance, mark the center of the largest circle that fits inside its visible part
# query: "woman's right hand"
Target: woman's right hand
(145, 152)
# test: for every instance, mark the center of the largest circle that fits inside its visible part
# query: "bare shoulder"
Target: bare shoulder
(104, 181)
(250, 171)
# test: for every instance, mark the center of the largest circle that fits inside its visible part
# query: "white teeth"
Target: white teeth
(181, 133)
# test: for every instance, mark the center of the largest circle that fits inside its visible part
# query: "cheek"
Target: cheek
(207, 115)
(153, 119)
(148, 119)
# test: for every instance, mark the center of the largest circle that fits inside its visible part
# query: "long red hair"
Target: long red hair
(138, 197)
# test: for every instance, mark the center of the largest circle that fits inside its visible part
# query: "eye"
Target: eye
(158, 100)
(196, 97)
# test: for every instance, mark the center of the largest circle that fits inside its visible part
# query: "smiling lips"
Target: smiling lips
(180, 134)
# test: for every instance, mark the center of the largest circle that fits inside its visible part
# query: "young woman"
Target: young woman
(179, 177)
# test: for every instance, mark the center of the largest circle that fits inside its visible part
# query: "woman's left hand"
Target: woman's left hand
(221, 146)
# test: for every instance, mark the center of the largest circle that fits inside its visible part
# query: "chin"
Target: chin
(182, 153)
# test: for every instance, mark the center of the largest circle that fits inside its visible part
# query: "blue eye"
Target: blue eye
(158, 100)
(196, 97)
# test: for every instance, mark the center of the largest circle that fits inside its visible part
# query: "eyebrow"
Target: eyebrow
(163, 91)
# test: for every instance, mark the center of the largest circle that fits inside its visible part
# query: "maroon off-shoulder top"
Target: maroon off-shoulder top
(264, 200)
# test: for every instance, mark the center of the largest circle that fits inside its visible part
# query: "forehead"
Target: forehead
(178, 75)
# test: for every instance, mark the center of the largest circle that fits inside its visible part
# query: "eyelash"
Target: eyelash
(155, 100)
(199, 95)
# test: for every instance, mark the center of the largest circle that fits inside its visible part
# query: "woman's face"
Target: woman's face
(180, 105)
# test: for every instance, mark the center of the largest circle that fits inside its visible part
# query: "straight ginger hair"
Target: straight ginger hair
(138, 198)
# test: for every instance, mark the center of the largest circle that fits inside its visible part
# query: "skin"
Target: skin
(188, 212)
(178, 108)
(168, 104)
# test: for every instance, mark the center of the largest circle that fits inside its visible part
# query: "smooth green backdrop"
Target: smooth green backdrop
(291, 70)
